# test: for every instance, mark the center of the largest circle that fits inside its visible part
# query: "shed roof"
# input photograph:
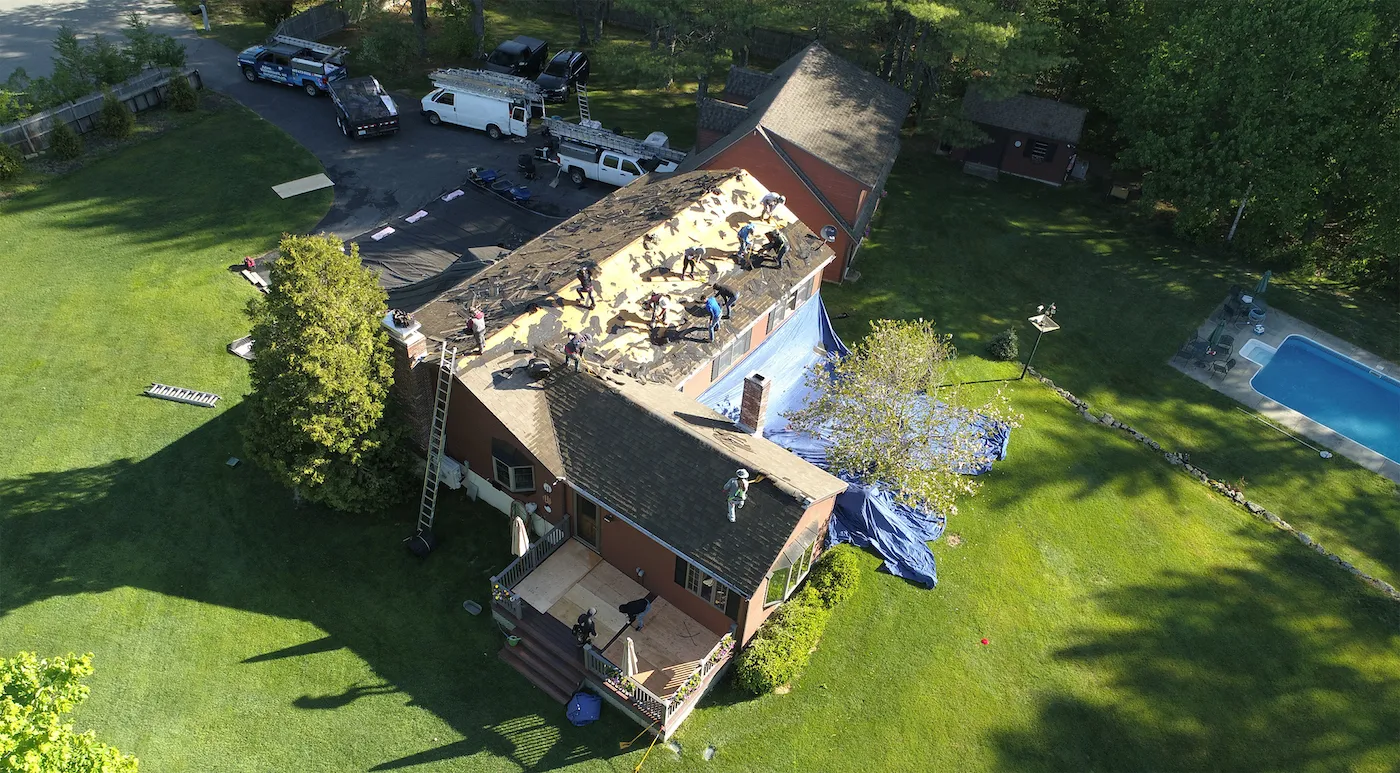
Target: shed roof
(660, 459)
(1024, 113)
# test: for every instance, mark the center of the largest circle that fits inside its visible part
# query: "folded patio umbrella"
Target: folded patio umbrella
(1263, 285)
(1215, 336)
(631, 657)
(519, 540)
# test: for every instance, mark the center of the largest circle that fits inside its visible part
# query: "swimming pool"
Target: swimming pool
(1337, 392)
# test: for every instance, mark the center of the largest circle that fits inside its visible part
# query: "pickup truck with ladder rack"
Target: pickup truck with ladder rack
(588, 152)
(306, 64)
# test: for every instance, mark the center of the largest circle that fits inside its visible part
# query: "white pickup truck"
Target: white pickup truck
(581, 162)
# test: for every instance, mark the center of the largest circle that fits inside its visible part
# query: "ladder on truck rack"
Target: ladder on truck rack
(489, 84)
(447, 368)
(310, 45)
(602, 138)
(582, 90)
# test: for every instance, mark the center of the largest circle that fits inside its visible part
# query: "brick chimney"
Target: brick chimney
(754, 404)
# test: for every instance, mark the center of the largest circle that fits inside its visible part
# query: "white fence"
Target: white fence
(145, 91)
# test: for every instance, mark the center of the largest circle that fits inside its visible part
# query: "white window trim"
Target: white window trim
(512, 473)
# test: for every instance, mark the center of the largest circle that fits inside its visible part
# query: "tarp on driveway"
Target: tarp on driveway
(456, 239)
(866, 514)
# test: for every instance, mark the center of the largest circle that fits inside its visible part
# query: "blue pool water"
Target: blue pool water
(1336, 392)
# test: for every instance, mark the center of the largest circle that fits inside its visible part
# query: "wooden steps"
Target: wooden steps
(547, 655)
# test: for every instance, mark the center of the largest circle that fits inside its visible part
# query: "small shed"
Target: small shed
(1031, 137)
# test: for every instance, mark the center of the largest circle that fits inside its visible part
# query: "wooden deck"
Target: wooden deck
(669, 646)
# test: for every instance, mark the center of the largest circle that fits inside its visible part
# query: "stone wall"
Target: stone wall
(1220, 487)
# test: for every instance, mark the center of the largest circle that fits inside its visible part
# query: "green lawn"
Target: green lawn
(1135, 620)
(978, 257)
(232, 630)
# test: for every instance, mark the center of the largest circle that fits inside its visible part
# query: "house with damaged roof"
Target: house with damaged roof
(618, 470)
(817, 129)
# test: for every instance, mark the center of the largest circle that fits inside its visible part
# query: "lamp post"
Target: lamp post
(1044, 322)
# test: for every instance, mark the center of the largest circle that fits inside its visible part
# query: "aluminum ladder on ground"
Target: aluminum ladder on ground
(324, 50)
(182, 395)
(582, 91)
(489, 84)
(602, 138)
(437, 435)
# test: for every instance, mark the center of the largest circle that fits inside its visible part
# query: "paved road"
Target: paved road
(375, 179)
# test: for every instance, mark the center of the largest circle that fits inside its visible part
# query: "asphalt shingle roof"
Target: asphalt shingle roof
(831, 108)
(1025, 113)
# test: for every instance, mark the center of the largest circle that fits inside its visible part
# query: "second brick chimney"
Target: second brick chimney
(754, 404)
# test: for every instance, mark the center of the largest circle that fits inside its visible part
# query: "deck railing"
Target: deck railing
(639, 696)
(520, 568)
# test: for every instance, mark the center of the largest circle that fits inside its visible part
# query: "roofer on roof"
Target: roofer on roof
(771, 201)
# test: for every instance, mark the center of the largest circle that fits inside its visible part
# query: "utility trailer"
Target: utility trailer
(363, 108)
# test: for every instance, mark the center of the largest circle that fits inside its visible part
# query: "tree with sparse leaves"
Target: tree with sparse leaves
(891, 416)
(321, 378)
(36, 694)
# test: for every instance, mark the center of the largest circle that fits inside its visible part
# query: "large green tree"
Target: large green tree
(874, 407)
(321, 378)
(36, 694)
(1293, 102)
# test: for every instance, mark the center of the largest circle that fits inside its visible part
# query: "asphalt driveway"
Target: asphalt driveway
(380, 178)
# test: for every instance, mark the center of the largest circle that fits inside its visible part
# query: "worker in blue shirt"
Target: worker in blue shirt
(745, 241)
(712, 306)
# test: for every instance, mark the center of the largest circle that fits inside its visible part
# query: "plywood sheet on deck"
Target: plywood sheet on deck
(543, 587)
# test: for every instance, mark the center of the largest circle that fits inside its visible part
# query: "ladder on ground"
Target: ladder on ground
(602, 138)
(182, 395)
(582, 90)
(437, 435)
(324, 50)
(489, 84)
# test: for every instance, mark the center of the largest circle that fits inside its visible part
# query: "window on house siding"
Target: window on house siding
(732, 353)
(793, 567)
(707, 587)
(510, 468)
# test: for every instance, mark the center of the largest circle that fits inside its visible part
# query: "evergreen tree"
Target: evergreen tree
(321, 378)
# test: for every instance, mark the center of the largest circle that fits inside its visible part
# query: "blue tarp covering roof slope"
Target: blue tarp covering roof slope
(866, 515)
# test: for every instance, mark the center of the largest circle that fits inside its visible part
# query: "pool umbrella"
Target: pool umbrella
(1263, 285)
(631, 657)
(519, 540)
(1215, 337)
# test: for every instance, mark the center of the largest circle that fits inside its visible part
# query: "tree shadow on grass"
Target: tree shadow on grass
(184, 524)
(1222, 671)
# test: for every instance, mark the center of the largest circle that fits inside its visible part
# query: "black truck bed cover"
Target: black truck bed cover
(361, 98)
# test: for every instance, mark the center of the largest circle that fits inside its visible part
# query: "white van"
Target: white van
(497, 116)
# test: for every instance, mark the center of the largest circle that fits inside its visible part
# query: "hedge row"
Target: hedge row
(779, 652)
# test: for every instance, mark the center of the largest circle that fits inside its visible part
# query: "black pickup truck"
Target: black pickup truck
(363, 108)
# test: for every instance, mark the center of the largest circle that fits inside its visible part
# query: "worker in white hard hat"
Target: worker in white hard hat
(736, 491)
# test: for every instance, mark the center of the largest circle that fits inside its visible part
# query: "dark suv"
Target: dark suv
(520, 56)
(567, 68)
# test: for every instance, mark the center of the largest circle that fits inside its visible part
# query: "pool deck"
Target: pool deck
(1279, 326)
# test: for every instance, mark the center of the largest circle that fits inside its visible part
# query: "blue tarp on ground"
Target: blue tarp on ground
(866, 515)
(584, 708)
